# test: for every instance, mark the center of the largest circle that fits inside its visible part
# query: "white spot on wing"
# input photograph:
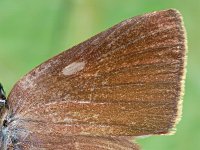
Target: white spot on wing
(73, 68)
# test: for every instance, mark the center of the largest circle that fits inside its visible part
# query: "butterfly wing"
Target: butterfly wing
(54, 142)
(125, 81)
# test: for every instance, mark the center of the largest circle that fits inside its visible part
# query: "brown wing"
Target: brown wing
(56, 142)
(125, 81)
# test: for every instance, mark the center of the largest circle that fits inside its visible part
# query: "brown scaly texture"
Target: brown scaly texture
(125, 81)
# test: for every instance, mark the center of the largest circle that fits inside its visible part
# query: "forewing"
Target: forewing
(126, 80)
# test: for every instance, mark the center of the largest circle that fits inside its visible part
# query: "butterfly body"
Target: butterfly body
(2, 96)
(124, 82)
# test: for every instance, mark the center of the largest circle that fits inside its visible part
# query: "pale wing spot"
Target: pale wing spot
(73, 68)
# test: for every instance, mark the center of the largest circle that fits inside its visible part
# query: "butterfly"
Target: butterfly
(125, 82)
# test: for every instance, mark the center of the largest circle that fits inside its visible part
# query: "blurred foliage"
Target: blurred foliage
(32, 31)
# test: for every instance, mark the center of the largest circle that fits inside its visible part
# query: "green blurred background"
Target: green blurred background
(32, 31)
